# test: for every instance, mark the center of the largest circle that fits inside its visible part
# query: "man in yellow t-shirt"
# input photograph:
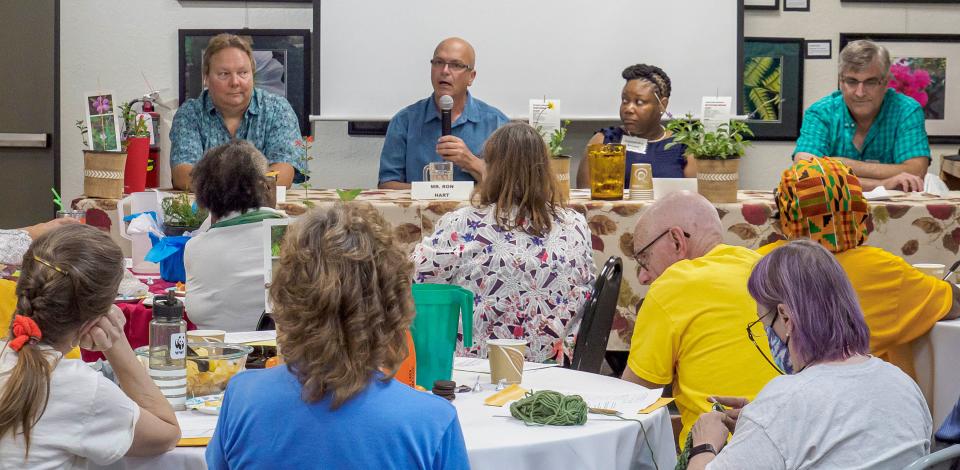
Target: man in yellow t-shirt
(821, 199)
(691, 328)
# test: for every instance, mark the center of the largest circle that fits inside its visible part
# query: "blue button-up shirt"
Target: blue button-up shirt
(269, 123)
(413, 132)
(896, 135)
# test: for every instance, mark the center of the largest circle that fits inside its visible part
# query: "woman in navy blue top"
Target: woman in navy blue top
(642, 103)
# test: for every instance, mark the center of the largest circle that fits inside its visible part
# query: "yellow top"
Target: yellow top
(8, 305)
(900, 303)
(692, 331)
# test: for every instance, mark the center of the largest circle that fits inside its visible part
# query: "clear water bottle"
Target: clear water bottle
(168, 350)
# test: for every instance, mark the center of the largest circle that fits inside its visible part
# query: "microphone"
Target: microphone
(446, 104)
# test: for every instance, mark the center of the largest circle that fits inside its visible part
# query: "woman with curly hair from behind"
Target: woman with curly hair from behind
(342, 303)
(224, 265)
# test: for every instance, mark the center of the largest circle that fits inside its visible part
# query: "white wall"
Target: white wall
(93, 49)
(106, 44)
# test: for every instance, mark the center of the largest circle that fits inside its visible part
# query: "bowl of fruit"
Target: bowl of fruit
(209, 365)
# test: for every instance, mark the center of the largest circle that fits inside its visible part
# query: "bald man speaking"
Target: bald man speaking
(691, 327)
(414, 136)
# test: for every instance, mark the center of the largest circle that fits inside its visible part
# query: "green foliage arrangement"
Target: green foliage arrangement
(727, 142)
(178, 211)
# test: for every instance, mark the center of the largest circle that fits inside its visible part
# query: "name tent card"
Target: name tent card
(441, 190)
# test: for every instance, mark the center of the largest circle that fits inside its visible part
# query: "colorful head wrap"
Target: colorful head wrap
(822, 199)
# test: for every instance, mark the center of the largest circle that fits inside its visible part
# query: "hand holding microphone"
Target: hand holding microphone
(450, 147)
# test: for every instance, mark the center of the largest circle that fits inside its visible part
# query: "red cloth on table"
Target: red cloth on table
(138, 317)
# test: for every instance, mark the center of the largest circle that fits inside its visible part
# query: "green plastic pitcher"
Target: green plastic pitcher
(439, 309)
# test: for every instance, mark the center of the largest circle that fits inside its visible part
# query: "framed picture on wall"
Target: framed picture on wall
(282, 59)
(761, 4)
(921, 65)
(772, 92)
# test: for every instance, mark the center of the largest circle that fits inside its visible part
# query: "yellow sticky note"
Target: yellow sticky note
(193, 442)
(660, 403)
(511, 393)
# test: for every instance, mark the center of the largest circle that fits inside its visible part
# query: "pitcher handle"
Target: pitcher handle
(466, 317)
(425, 169)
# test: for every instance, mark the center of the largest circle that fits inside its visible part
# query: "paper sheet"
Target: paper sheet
(244, 337)
(194, 424)
(628, 404)
(482, 366)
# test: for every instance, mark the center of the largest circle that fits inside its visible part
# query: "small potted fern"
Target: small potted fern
(718, 154)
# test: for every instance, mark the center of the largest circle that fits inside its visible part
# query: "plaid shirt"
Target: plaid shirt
(269, 124)
(896, 135)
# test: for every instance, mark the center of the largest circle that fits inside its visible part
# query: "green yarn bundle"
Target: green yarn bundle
(547, 407)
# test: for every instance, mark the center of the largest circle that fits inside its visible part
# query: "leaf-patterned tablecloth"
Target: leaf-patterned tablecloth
(920, 228)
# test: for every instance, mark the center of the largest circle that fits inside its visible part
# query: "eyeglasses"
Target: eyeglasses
(868, 84)
(640, 255)
(454, 66)
(754, 341)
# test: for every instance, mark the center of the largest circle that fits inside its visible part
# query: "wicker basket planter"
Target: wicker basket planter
(103, 174)
(718, 180)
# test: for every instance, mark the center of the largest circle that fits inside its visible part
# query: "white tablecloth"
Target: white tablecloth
(935, 359)
(496, 442)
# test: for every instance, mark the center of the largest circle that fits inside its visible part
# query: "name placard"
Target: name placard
(438, 190)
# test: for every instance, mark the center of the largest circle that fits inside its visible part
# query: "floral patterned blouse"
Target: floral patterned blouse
(524, 286)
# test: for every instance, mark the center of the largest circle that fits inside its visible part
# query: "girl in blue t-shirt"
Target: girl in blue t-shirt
(642, 103)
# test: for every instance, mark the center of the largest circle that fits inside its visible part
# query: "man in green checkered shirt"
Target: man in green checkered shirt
(872, 129)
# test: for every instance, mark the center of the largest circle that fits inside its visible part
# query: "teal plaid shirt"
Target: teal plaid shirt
(269, 123)
(897, 133)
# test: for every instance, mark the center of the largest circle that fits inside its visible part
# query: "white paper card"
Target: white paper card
(281, 194)
(818, 49)
(634, 144)
(715, 110)
(441, 190)
(545, 116)
(796, 3)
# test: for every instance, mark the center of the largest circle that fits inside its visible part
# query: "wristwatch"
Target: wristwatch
(701, 449)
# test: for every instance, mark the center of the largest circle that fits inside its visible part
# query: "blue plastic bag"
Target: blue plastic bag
(168, 252)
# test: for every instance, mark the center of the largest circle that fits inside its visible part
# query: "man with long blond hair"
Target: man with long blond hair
(342, 303)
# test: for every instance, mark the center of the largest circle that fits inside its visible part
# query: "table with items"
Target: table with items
(919, 227)
(496, 440)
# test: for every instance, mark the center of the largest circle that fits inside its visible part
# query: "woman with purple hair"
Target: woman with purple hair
(835, 406)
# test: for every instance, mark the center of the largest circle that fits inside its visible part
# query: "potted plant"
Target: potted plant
(179, 215)
(718, 154)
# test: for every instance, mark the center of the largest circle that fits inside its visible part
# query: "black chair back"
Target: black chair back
(591, 345)
(266, 322)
